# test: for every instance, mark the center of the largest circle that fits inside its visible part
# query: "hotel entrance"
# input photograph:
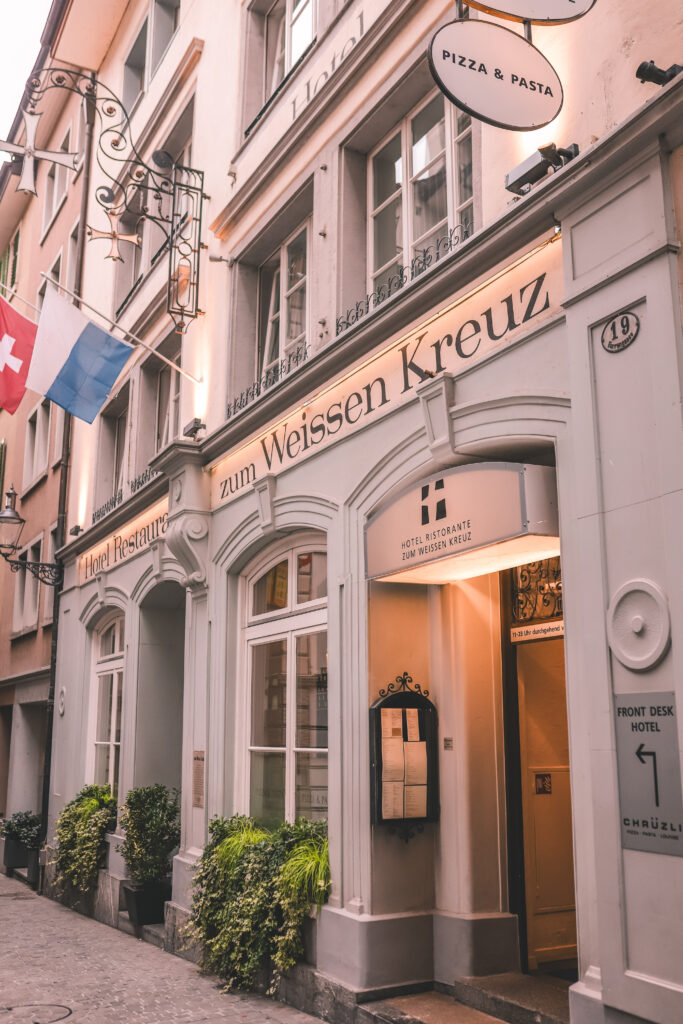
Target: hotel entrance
(540, 849)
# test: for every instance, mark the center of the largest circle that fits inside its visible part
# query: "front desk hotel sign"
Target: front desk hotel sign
(495, 75)
(649, 770)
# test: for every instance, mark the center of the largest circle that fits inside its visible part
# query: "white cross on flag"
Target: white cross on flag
(17, 335)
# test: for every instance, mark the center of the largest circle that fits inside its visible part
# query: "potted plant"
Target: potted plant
(150, 819)
(22, 832)
(81, 847)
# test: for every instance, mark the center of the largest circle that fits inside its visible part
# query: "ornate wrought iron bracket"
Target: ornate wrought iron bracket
(160, 193)
(406, 830)
(403, 683)
(537, 590)
(50, 573)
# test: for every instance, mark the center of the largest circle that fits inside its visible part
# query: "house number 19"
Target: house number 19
(620, 332)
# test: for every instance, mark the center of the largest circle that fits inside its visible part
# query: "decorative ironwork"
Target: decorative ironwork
(143, 478)
(423, 259)
(402, 683)
(168, 196)
(272, 375)
(108, 506)
(50, 573)
(537, 590)
(405, 829)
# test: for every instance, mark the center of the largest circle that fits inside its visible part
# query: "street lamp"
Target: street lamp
(11, 527)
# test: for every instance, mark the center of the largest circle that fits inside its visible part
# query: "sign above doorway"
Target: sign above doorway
(539, 12)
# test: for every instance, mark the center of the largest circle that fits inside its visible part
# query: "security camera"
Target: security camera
(649, 72)
(535, 167)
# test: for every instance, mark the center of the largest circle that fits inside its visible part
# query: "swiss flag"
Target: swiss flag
(17, 335)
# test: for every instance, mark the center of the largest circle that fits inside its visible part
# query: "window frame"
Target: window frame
(454, 207)
(291, 16)
(36, 460)
(171, 429)
(25, 620)
(103, 665)
(262, 368)
(295, 620)
(56, 187)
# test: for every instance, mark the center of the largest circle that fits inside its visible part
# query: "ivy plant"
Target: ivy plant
(80, 832)
(252, 891)
(150, 819)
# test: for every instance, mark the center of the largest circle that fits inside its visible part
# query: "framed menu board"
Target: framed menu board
(403, 758)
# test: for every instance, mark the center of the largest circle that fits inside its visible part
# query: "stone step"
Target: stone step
(152, 933)
(516, 998)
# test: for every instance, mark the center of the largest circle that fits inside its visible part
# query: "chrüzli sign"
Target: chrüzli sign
(541, 12)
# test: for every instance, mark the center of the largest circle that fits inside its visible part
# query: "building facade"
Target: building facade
(436, 438)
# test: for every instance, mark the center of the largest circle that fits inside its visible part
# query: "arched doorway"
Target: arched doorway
(159, 711)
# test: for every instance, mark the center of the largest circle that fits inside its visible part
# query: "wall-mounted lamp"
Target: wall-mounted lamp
(535, 167)
(11, 526)
(193, 428)
(230, 260)
(75, 530)
(649, 72)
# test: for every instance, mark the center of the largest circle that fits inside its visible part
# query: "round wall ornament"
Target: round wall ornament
(539, 12)
(495, 75)
(639, 625)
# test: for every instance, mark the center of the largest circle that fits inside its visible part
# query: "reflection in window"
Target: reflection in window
(289, 31)
(283, 283)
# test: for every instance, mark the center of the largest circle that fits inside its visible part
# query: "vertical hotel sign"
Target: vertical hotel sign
(510, 304)
(133, 538)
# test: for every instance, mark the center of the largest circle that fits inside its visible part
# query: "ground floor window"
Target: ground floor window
(286, 665)
(108, 697)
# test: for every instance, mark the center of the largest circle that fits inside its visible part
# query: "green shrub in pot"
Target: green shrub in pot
(81, 829)
(22, 832)
(150, 820)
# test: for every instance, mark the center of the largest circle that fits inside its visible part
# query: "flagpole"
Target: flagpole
(129, 334)
(21, 298)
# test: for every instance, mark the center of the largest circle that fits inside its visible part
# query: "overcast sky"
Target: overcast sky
(21, 26)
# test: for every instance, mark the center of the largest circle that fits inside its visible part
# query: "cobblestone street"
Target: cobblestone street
(58, 965)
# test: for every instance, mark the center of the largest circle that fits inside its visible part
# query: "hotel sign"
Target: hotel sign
(495, 75)
(461, 510)
(131, 540)
(540, 12)
(469, 330)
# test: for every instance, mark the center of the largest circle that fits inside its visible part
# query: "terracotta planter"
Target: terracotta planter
(16, 854)
(145, 903)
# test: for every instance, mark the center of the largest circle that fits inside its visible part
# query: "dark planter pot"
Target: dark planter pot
(145, 903)
(32, 869)
(16, 854)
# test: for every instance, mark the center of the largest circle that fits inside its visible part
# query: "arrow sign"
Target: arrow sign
(641, 755)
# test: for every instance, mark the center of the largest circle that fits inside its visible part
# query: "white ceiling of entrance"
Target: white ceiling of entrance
(492, 558)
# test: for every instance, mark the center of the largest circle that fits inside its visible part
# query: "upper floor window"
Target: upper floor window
(168, 403)
(9, 262)
(419, 186)
(56, 185)
(37, 441)
(283, 304)
(134, 70)
(286, 657)
(112, 461)
(26, 590)
(290, 25)
(166, 16)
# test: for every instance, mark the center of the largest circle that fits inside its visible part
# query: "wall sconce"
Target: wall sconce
(649, 72)
(193, 428)
(535, 167)
(11, 526)
(75, 530)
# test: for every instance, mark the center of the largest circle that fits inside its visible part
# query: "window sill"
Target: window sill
(53, 218)
(21, 634)
(29, 488)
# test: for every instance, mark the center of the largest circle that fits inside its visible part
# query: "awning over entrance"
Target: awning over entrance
(465, 522)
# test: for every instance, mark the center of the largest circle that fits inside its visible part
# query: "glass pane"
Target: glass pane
(387, 172)
(270, 591)
(119, 699)
(102, 764)
(302, 28)
(466, 218)
(164, 394)
(269, 694)
(108, 641)
(463, 121)
(267, 788)
(275, 46)
(296, 314)
(388, 232)
(114, 780)
(429, 199)
(428, 130)
(296, 260)
(465, 169)
(311, 690)
(311, 786)
(269, 312)
(311, 576)
(104, 695)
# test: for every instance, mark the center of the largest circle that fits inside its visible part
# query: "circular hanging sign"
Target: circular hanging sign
(495, 75)
(540, 12)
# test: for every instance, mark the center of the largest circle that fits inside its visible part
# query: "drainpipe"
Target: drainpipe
(60, 531)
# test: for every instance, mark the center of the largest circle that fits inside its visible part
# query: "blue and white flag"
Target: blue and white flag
(75, 363)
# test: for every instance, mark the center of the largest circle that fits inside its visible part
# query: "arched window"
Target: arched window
(108, 643)
(286, 664)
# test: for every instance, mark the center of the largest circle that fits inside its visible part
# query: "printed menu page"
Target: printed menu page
(412, 725)
(392, 799)
(392, 722)
(416, 764)
(415, 802)
(393, 768)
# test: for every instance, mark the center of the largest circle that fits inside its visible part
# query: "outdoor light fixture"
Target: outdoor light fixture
(11, 526)
(193, 428)
(649, 72)
(536, 166)
(75, 530)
